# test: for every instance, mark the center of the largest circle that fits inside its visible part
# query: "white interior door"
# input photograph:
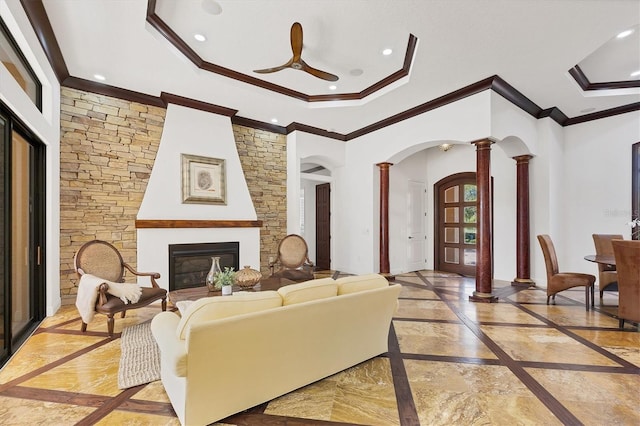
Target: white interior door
(416, 216)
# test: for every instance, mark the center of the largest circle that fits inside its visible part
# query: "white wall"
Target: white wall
(597, 194)
(195, 132)
(358, 245)
(46, 126)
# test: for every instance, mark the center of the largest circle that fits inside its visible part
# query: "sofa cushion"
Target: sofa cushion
(358, 283)
(211, 308)
(308, 290)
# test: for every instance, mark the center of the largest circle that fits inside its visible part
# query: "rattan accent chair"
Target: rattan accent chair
(559, 281)
(293, 258)
(101, 259)
(627, 254)
(607, 275)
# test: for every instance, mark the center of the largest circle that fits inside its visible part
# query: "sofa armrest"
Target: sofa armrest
(173, 351)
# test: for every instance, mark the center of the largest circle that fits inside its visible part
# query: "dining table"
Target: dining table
(602, 259)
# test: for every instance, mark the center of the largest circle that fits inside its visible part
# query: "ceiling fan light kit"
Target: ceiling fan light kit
(296, 61)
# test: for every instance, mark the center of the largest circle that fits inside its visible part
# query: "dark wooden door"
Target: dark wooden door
(323, 226)
(456, 224)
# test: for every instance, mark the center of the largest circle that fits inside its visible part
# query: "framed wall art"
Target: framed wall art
(203, 180)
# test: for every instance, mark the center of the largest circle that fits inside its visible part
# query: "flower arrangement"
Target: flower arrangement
(225, 278)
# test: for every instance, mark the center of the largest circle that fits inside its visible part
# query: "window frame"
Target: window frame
(4, 30)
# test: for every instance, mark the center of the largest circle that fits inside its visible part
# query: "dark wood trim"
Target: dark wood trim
(166, 31)
(583, 81)
(603, 114)
(169, 223)
(39, 20)
(315, 131)
(472, 89)
(260, 125)
(115, 92)
(510, 93)
(168, 98)
(555, 114)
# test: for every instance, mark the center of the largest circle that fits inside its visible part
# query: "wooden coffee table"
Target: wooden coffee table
(195, 293)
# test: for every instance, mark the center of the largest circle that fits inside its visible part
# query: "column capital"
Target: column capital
(523, 158)
(384, 165)
(486, 142)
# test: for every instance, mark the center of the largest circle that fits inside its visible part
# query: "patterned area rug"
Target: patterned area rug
(140, 356)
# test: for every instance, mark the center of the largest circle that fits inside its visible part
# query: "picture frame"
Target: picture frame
(203, 180)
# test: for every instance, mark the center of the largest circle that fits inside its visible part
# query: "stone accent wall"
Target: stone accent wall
(264, 161)
(107, 150)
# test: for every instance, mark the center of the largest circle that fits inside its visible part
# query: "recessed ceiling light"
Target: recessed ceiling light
(333, 87)
(624, 34)
(99, 77)
(356, 72)
(387, 52)
(635, 73)
(200, 37)
(274, 120)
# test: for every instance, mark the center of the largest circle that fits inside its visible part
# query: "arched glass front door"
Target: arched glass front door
(456, 224)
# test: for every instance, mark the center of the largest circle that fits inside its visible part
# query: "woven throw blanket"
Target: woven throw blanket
(139, 358)
(88, 294)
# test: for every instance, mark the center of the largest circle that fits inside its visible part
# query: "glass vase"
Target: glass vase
(213, 272)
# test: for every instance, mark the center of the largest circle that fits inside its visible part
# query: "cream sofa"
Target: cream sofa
(228, 354)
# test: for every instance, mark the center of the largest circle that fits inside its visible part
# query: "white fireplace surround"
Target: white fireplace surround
(190, 131)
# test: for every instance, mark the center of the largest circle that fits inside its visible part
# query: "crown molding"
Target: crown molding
(581, 78)
(39, 20)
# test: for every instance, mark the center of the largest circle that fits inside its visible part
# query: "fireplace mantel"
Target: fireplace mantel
(170, 223)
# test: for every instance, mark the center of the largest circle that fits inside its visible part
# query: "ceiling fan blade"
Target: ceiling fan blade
(296, 41)
(318, 73)
(274, 69)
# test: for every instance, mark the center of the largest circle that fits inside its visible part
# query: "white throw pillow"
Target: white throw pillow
(211, 308)
(358, 283)
(308, 290)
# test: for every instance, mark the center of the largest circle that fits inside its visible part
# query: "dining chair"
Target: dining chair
(627, 254)
(101, 259)
(559, 281)
(607, 275)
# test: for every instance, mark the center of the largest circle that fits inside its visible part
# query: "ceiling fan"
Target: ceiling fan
(296, 61)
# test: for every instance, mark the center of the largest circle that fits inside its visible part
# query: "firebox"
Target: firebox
(190, 263)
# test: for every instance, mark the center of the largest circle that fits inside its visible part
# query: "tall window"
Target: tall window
(15, 62)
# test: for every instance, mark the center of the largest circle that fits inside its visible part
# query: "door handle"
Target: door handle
(410, 238)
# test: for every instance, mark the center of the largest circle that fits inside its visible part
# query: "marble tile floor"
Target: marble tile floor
(450, 362)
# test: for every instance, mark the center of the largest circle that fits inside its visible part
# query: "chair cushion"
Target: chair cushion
(212, 308)
(358, 283)
(295, 274)
(310, 290)
(115, 304)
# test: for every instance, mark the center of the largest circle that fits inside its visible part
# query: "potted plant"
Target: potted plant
(225, 280)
